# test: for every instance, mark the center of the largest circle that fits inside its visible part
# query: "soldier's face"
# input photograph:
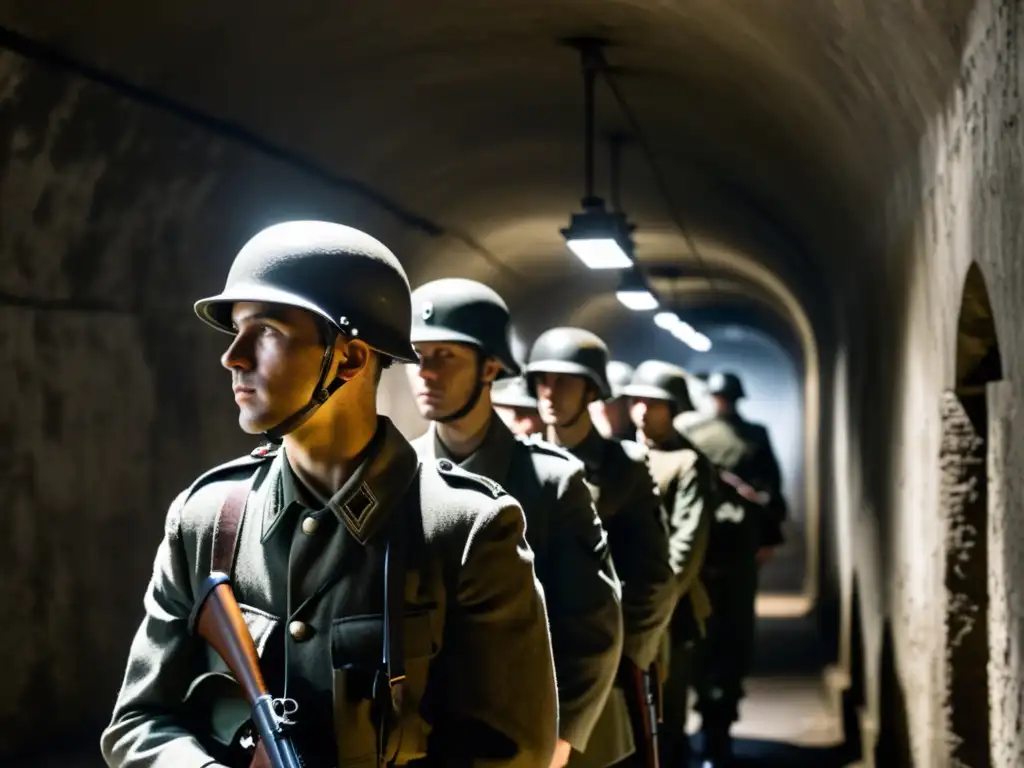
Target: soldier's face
(723, 406)
(611, 417)
(560, 397)
(445, 378)
(520, 421)
(652, 417)
(274, 361)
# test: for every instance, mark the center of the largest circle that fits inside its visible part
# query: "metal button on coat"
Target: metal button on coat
(298, 630)
(309, 525)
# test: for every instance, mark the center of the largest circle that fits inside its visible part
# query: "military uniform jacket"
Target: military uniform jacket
(630, 508)
(688, 486)
(480, 688)
(573, 564)
(744, 449)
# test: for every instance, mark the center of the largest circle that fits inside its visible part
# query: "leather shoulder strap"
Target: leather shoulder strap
(229, 523)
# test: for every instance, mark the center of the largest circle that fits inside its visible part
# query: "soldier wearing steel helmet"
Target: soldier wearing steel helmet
(712, 543)
(744, 449)
(388, 598)
(516, 407)
(461, 332)
(743, 455)
(611, 416)
(566, 371)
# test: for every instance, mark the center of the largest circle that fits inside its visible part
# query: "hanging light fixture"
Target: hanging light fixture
(634, 294)
(600, 238)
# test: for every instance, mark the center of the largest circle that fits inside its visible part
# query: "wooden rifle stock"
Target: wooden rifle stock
(217, 618)
(643, 708)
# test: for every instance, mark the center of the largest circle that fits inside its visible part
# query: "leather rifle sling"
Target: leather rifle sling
(391, 676)
(228, 525)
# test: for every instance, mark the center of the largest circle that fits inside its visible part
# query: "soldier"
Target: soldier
(460, 330)
(566, 372)
(745, 450)
(611, 416)
(737, 449)
(393, 603)
(711, 539)
(516, 407)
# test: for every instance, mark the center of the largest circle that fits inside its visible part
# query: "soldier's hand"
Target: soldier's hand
(764, 554)
(259, 757)
(561, 757)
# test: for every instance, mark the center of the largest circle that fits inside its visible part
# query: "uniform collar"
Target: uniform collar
(381, 479)
(491, 459)
(675, 442)
(590, 450)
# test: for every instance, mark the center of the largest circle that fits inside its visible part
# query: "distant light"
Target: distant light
(733, 333)
(637, 299)
(694, 339)
(700, 342)
(600, 253)
(667, 320)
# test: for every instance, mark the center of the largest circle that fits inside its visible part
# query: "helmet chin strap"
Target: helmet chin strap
(321, 392)
(474, 397)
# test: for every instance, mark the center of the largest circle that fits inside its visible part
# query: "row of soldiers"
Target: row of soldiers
(475, 597)
(614, 418)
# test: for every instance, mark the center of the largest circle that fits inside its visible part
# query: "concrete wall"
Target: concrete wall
(959, 202)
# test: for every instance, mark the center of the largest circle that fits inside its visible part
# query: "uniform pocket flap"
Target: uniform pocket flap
(359, 640)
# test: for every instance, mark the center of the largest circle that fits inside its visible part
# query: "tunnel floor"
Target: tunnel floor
(788, 718)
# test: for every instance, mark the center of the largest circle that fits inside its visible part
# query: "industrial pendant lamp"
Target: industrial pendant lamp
(601, 239)
(634, 294)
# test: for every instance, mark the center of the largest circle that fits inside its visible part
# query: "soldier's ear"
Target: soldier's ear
(351, 357)
(491, 370)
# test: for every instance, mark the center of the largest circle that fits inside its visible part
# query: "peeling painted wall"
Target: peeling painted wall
(114, 218)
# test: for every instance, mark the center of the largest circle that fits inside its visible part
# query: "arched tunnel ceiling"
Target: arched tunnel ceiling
(775, 125)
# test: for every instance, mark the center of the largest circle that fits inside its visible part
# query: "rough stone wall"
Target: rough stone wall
(114, 218)
(1005, 589)
(960, 202)
(963, 505)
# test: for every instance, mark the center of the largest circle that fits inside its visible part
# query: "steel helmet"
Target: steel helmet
(513, 393)
(658, 380)
(464, 311)
(619, 375)
(727, 385)
(345, 277)
(573, 351)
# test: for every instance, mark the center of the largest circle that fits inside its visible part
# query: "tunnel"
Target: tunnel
(829, 190)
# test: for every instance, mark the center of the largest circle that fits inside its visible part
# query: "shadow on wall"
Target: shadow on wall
(893, 747)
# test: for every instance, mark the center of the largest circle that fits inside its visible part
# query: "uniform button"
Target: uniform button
(299, 630)
(445, 465)
(309, 525)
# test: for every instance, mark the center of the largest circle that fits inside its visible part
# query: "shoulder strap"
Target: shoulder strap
(390, 678)
(229, 522)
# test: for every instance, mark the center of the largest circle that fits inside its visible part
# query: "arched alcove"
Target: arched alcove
(964, 506)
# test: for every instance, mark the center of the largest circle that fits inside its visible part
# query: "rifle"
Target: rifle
(217, 618)
(642, 697)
